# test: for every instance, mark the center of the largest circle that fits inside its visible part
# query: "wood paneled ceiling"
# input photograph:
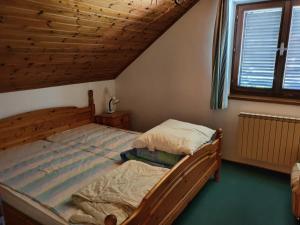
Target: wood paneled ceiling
(54, 42)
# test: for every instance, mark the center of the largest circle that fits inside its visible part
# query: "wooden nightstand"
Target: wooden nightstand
(117, 119)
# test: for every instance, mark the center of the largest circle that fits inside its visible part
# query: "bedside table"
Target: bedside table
(117, 119)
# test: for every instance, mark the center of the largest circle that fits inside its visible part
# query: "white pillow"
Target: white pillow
(175, 137)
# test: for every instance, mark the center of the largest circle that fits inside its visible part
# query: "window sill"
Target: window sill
(286, 101)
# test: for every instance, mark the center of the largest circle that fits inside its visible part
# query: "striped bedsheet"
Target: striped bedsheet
(52, 172)
(101, 137)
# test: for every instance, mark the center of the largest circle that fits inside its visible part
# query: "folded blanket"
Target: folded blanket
(157, 158)
(116, 193)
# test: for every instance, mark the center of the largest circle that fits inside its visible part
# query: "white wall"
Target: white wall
(172, 79)
(12, 103)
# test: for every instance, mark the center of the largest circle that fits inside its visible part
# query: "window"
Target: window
(266, 54)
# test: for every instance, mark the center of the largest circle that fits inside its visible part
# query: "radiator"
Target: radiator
(269, 141)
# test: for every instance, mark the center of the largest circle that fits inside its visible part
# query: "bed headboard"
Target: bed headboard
(39, 124)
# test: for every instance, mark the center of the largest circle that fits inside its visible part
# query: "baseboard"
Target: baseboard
(259, 166)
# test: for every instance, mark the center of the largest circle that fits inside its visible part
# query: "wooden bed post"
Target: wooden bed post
(220, 137)
(110, 220)
(92, 105)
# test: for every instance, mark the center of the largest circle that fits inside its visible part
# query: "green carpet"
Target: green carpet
(244, 196)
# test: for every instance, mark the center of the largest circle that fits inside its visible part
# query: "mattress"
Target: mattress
(102, 137)
(22, 202)
(30, 207)
(39, 178)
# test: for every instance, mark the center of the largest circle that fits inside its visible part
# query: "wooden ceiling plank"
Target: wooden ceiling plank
(57, 8)
(35, 37)
(48, 44)
(102, 36)
(75, 27)
(69, 18)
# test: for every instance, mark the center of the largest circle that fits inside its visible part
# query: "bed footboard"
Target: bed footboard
(172, 194)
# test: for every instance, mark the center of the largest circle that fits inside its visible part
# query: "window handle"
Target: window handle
(282, 49)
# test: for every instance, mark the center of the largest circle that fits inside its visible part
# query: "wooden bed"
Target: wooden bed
(160, 206)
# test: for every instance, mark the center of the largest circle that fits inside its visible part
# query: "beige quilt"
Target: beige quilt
(118, 192)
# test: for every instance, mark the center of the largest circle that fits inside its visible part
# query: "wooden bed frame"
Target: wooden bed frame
(160, 206)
